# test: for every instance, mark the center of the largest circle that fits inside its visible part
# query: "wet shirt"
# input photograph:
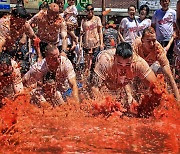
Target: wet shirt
(40, 69)
(110, 36)
(115, 76)
(89, 29)
(157, 54)
(164, 23)
(48, 31)
(129, 29)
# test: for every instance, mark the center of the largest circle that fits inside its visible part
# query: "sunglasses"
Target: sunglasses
(91, 9)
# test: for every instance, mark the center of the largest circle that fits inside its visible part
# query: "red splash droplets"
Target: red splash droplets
(158, 98)
(10, 111)
(107, 107)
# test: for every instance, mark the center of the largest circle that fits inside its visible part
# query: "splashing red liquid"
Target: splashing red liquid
(25, 128)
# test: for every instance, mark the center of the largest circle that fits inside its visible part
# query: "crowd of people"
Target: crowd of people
(111, 56)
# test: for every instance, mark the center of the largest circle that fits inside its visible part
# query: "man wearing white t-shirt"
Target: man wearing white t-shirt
(61, 68)
(163, 20)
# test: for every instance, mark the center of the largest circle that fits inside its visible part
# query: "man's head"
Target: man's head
(52, 57)
(18, 17)
(149, 38)
(19, 12)
(124, 50)
(53, 11)
(90, 11)
(123, 54)
(165, 4)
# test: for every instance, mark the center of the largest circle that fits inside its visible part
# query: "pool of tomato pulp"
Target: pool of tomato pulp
(91, 127)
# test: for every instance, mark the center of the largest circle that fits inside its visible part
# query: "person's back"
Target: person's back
(110, 36)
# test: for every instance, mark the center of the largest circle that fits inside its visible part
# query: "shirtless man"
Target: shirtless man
(115, 68)
(61, 68)
(50, 23)
(152, 51)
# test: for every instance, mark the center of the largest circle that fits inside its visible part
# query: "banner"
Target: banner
(4, 5)
(155, 4)
(34, 4)
(80, 4)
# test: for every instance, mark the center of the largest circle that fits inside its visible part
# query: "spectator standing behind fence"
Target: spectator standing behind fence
(163, 20)
(91, 36)
(110, 35)
(70, 15)
(143, 21)
(128, 26)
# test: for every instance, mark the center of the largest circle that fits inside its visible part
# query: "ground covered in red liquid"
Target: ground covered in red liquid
(92, 127)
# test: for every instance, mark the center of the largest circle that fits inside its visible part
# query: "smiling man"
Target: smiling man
(152, 51)
(115, 68)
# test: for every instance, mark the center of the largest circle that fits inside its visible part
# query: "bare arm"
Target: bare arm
(63, 33)
(150, 78)
(29, 31)
(100, 36)
(2, 42)
(169, 75)
(166, 48)
(120, 31)
(74, 86)
(17, 81)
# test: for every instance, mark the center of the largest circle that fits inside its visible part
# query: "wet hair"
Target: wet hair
(20, 11)
(131, 6)
(148, 30)
(124, 50)
(54, 7)
(89, 5)
(142, 7)
(50, 49)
